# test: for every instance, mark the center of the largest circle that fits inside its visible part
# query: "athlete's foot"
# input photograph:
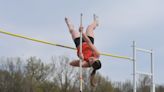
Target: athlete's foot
(70, 26)
(96, 20)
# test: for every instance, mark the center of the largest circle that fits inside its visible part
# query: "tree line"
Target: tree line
(35, 75)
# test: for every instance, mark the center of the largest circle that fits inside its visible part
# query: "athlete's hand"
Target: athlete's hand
(81, 29)
(81, 56)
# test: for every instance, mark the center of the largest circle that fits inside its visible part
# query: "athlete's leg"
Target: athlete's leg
(92, 27)
(71, 28)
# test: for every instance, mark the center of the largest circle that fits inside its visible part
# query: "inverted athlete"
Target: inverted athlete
(90, 55)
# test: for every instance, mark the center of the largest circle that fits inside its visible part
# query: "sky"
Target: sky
(120, 23)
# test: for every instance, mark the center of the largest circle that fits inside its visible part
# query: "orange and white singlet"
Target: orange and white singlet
(87, 51)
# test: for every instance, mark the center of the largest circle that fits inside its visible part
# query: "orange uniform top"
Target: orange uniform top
(87, 51)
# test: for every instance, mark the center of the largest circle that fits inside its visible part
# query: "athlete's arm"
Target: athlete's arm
(81, 55)
(89, 42)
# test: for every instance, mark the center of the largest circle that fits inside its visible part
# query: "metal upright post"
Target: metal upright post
(152, 72)
(134, 66)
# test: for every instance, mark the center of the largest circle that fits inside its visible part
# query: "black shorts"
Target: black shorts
(77, 40)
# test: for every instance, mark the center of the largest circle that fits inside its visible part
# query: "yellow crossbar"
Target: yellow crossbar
(53, 44)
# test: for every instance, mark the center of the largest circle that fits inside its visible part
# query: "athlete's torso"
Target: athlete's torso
(87, 51)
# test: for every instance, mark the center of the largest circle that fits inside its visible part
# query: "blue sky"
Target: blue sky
(121, 22)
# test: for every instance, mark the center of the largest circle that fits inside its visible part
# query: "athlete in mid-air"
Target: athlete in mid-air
(90, 55)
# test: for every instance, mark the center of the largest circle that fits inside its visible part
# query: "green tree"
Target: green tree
(65, 76)
(144, 84)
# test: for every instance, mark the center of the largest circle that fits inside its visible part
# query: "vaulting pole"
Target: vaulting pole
(80, 69)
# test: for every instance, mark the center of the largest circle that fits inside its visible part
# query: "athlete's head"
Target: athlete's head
(96, 65)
